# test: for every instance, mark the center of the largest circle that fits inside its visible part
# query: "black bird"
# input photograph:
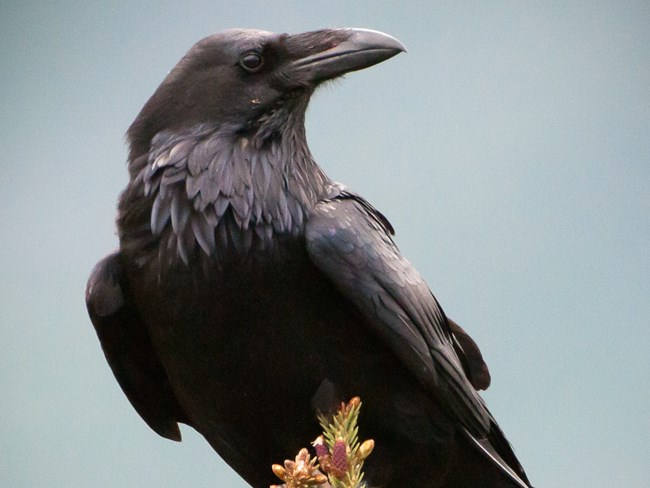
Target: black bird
(250, 291)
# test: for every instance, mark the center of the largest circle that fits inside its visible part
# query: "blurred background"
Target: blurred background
(510, 148)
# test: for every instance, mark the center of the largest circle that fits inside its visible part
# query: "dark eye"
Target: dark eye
(251, 61)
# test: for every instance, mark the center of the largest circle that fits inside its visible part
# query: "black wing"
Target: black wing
(128, 350)
(471, 357)
(350, 242)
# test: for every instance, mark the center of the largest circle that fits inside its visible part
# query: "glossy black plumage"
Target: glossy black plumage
(250, 290)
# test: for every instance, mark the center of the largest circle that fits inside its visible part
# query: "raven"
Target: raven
(251, 291)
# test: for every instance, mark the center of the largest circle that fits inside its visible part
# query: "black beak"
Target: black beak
(340, 51)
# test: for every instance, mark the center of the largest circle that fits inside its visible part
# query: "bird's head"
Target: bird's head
(250, 82)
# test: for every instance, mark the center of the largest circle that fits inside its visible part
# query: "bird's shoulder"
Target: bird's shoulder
(342, 205)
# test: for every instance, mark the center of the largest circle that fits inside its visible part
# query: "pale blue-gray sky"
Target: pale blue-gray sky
(510, 147)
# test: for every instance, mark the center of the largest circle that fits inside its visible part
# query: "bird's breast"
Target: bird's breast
(246, 332)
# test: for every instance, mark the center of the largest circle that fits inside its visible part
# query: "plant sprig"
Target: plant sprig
(339, 455)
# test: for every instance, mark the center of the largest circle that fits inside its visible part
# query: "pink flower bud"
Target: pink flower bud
(320, 447)
(339, 464)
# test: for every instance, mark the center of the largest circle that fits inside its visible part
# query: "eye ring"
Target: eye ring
(252, 61)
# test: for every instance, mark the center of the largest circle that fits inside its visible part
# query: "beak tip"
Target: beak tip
(381, 38)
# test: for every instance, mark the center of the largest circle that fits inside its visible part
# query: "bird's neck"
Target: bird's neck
(196, 183)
